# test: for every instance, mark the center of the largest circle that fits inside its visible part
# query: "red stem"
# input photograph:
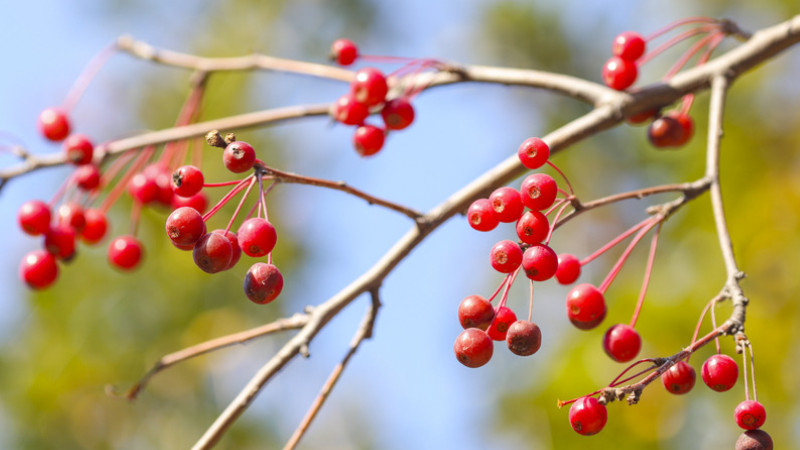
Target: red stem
(614, 242)
(227, 198)
(239, 206)
(624, 257)
(566, 180)
(647, 271)
(680, 23)
(85, 78)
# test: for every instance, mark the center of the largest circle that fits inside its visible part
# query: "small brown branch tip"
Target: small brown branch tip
(230, 137)
(214, 139)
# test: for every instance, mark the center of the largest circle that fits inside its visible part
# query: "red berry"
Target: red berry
(481, 215)
(569, 268)
(125, 252)
(87, 177)
(368, 140)
(628, 45)
(754, 440)
(212, 253)
(642, 117)
(198, 201)
(96, 226)
(665, 131)
(53, 124)
(160, 175)
(263, 283)
(344, 52)
(619, 74)
(348, 111)
(538, 191)
(71, 215)
(679, 379)
(507, 203)
(239, 156)
(369, 86)
(720, 372)
(587, 416)
(533, 153)
(60, 242)
(257, 237)
(234, 240)
(750, 415)
(34, 217)
(473, 347)
(78, 149)
(143, 189)
(38, 269)
(540, 262)
(622, 343)
(185, 226)
(187, 181)
(505, 256)
(533, 227)
(686, 127)
(586, 307)
(475, 312)
(503, 318)
(524, 338)
(397, 113)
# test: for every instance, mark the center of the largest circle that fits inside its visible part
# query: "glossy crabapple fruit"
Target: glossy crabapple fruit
(507, 204)
(344, 52)
(505, 256)
(369, 86)
(665, 131)
(198, 201)
(78, 149)
(87, 177)
(263, 283)
(33, 217)
(72, 215)
(481, 216)
(679, 379)
(539, 262)
(234, 240)
(533, 153)
(185, 226)
(750, 415)
(587, 416)
(533, 227)
(586, 307)
(569, 268)
(720, 372)
(628, 45)
(398, 113)
(54, 124)
(475, 312)
(754, 440)
(187, 181)
(239, 156)
(473, 347)
(368, 140)
(38, 269)
(349, 111)
(257, 237)
(619, 73)
(96, 226)
(60, 241)
(503, 318)
(524, 338)
(125, 252)
(622, 342)
(538, 191)
(212, 253)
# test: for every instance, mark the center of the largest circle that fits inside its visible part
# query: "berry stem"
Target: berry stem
(714, 322)
(700, 321)
(141, 159)
(624, 257)
(647, 272)
(744, 370)
(673, 41)
(679, 23)
(227, 197)
(509, 282)
(500, 287)
(239, 206)
(566, 180)
(692, 51)
(136, 214)
(555, 220)
(224, 183)
(85, 78)
(617, 381)
(752, 371)
(614, 242)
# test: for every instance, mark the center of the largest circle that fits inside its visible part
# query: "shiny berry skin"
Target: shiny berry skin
(369, 86)
(234, 240)
(38, 269)
(34, 217)
(239, 157)
(665, 131)
(60, 242)
(185, 226)
(78, 149)
(475, 312)
(539, 262)
(524, 338)
(263, 283)
(507, 203)
(125, 252)
(96, 226)
(87, 177)
(628, 45)
(619, 74)
(679, 379)
(212, 253)
(505, 256)
(587, 416)
(750, 415)
(198, 201)
(754, 440)
(533, 153)
(642, 117)
(503, 318)
(344, 52)
(569, 268)
(533, 227)
(481, 215)
(686, 127)
(143, 189)
(720, 372)
(71, 215)
(622, 343)
(473, 347)
(257, 237)
(538, 191)
(398, 113)
(187, 181)
(368, 140)
(586, 307)
(349, 111)
(53, 124)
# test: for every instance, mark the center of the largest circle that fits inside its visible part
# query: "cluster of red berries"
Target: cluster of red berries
(368, 93)
(621, 71)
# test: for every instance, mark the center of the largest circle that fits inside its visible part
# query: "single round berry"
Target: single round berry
(34, 217)
(187, 181)
(665, 131)
(533, 153)
(750, 415)
(586, 307)
(619, 74)
(398, 113)
(38, 269)
(96, 226)
(686, 127)
(754, 440)
(587, 416)
(642, 117)
(507, 203)
(87, 177)
(162, 177)
(53, 124)
(369, 86)
(234, 240)
(125, 252)
(263, 283)
(368, 140)
(622, 343)
(473, 347)
(720, 372)
(533, 227)
(539, 262)
(538, 191)
(475, 312)
(569, 268)
(344, 52)
(71, 214)
(257, 237)
(78, 149)
(679, 379)
(212, 253)
(503, 318)
(628, 45)
(349, 111)
(239, 156)
(198, 201)
(505, 256)
(143, 189)
(524, 338)
(60, 242)
(481, 216)
(185, 226)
